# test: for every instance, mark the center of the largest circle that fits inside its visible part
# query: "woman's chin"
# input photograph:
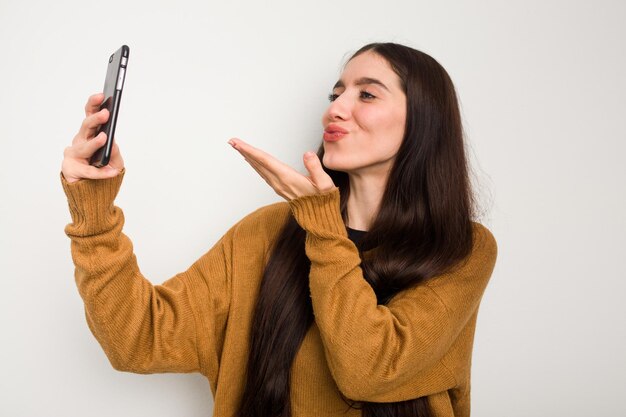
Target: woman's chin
(335, 164)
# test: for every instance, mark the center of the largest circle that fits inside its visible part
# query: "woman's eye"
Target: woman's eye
(363, 95)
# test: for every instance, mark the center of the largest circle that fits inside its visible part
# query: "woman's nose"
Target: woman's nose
(338, 109)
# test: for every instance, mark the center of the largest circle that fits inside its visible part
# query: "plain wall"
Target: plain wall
(542, 90)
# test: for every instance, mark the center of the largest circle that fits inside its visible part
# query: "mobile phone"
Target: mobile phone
(113, 85)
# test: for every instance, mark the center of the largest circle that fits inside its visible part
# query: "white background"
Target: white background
(542, 90)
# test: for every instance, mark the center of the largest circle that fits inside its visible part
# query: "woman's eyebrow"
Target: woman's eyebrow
(362, 81)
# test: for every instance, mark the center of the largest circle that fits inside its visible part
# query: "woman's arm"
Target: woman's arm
(382, 353)
(143, 328)
(174, 327)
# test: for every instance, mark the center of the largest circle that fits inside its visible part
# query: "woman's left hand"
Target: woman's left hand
(286, 181)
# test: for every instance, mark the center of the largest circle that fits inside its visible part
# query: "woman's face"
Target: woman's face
(364, 124)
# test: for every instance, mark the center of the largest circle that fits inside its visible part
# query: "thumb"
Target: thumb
(108, 171)
(318, 176)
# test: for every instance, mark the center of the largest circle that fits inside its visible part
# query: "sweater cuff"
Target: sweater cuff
(319, 214)
(91, 201)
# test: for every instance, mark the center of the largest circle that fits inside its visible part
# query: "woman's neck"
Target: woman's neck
(366, 192)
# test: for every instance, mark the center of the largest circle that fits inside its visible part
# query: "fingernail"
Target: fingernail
(309, 155)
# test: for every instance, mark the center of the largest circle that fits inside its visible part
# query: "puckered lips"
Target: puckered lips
(334, 132)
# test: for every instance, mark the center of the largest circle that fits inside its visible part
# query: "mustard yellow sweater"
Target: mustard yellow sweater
(420, 344)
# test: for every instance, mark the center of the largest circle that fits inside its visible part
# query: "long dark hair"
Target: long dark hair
(423, 228)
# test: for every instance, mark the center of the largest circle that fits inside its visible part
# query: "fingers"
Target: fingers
(116, 160)
(76, 158)
(88, 171)
(76, 166)
(251, 152)
(286, 181)
(91, 123)
(322, 181)
(85, 149)
(73, 172)
(267, 177)
(93, 103)
(265, 164)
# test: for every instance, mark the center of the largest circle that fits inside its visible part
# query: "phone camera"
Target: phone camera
(111, 59)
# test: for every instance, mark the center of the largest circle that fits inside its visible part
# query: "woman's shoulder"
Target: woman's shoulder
(476, 269)
(484, 249)
(484, 240)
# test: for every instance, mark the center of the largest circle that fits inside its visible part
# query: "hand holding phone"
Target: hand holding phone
(113, 86)
(76, 157)
(93, 144)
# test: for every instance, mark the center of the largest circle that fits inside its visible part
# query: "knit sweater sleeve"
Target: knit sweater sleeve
(143, 328)
(381, 353)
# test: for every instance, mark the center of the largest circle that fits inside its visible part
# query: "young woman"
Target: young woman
(356, 296)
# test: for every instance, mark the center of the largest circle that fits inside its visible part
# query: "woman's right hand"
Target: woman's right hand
(75, 164)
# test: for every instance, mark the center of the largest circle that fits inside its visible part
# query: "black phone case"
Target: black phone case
(113, 86)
